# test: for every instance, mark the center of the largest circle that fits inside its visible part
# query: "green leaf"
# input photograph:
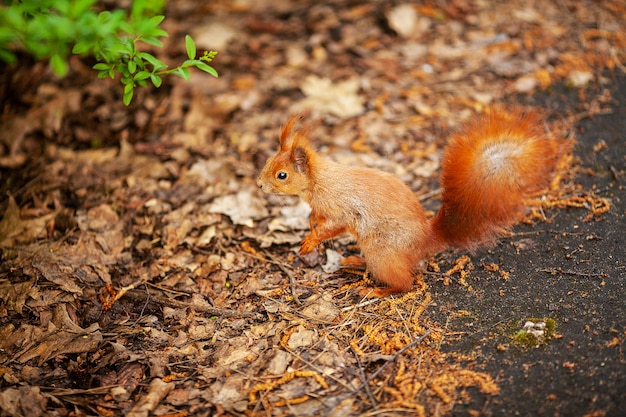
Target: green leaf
(141, 75)
(128, 86)
(130, 45)
(14, 17)
(128, 28)
(155, 21)
(59, 65)
(101, 66)
(82, 47)
(7, 56)
(191, 47)
(123, 69)
(156, 80)
(132, 67)
(117, 49)
(128, 96)
(156, 32)
(80, 7)
(62, 7)
(36, 48)
(7, 34)
(182, 72)
(207, 68)
(156, 64)
(137, 8)
(151, 40)
(143, 8)
(105, 17)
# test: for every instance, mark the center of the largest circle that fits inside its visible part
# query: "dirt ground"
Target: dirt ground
(144, 273)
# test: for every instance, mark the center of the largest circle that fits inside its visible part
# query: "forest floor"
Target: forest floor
(144, 273)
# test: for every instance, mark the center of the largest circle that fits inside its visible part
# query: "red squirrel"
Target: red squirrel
(488, 167)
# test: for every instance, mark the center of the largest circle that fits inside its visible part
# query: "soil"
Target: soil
(571, 271)
(144, 273)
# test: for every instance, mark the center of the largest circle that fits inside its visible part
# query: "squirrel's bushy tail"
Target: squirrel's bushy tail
(487, 170)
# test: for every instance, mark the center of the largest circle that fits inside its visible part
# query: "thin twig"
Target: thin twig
(214, 311)
(143, 309)
(290, 274)
(570, 272)
(364, 381)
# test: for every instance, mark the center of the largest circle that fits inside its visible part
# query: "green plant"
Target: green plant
(54, 29)
(535, 332)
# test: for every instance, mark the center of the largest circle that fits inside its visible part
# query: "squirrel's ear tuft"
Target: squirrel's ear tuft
(285, 132)
(287, 140)
(300, 160)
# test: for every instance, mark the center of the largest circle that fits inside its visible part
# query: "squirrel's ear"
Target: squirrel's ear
(300, 160)
(285, 133)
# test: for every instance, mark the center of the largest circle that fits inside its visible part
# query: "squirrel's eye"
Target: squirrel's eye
(282, 175)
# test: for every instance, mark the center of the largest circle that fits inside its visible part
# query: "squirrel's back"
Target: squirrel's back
(488, 168)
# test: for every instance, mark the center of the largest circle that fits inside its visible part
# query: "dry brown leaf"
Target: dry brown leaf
(24, 401)
(46, 118)
(16, 231)
(16, 294)
(242, 208)
(230, 391)
(210, 173)
(302, 337)
(148, 402)
(340, 99)
(55, 341)
(279, 362)
(322, 309)
(58, 273)
(406, 22)
(11, 220)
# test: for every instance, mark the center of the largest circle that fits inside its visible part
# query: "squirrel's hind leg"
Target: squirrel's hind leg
(396, 272)
(354, 261)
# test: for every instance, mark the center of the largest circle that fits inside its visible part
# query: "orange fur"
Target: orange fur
(487, 169)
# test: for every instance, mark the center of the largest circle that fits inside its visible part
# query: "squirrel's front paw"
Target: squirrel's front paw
(308, 244)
